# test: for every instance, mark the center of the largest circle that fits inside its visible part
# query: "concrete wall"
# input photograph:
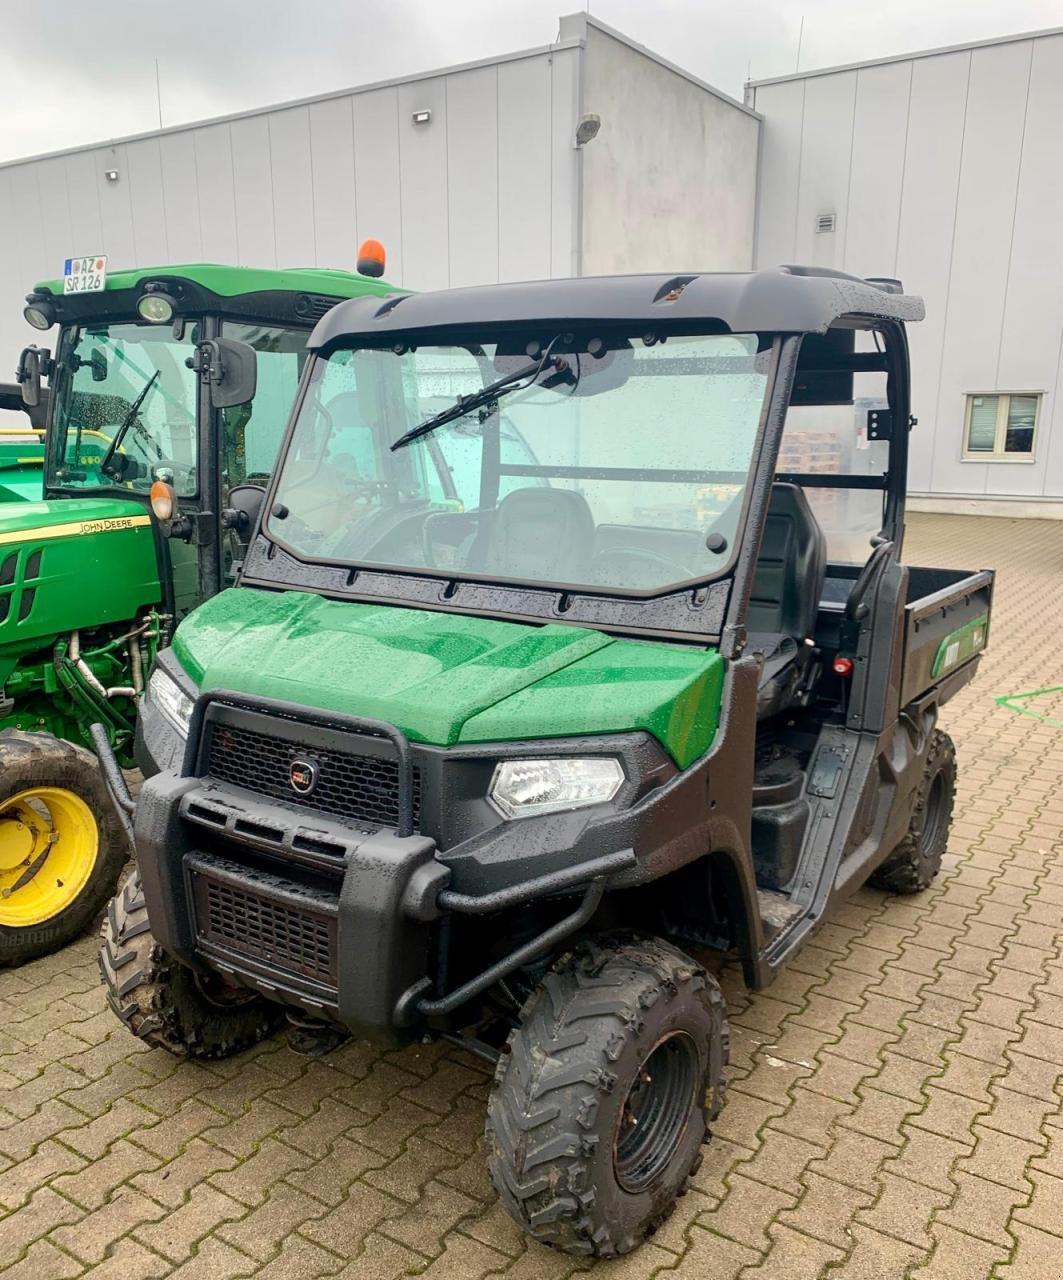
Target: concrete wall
(486, 191)
(670, 181)
(943, 169)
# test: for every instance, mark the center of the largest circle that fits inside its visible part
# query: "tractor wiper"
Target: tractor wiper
(127, 422)
(521, 378)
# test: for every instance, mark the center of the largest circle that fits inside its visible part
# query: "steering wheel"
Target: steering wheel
(856, 608)
(364, 490)
(640, 553)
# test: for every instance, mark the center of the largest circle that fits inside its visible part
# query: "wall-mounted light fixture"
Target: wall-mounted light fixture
(111, 175)
(422, 117)
(587, 129)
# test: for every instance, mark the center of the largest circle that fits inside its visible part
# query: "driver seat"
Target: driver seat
(787, 586)
(541, 534)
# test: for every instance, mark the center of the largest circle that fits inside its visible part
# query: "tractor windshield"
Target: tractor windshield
(125, 411)
(618, 463)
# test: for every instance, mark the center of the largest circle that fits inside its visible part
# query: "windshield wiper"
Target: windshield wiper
(127, 422)
(527, 375)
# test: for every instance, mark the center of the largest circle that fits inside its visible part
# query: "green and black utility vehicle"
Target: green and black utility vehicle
(524, 703)
(155, 442)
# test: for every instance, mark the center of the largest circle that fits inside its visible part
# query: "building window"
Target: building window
(1000, 427)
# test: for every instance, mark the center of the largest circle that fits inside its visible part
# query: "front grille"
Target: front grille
(364, 788)
(286, 934)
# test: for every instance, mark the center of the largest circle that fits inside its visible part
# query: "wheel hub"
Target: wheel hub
(656, 1111)
(933, 815)
(17, 841)
(49, 845)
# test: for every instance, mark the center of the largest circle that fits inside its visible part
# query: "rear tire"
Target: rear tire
(62, 845)
(164, 1002)
(917, 859)
(621, 1033)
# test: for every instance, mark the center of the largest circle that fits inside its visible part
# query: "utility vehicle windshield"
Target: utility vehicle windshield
(125, 410)
(618, 463)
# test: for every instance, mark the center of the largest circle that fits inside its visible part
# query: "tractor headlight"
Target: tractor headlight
(156, 307)
(40, 314)
(171, 700)
(523, 788)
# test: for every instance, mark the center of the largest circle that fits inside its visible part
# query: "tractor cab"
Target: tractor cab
(153, 388)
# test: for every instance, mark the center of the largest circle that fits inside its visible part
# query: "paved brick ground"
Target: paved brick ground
(894, 1105)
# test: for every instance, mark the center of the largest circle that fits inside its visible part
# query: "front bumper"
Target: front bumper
(291, 937)
(338, 916)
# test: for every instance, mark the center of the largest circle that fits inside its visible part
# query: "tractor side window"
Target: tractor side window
(826, 434)
(252, 432)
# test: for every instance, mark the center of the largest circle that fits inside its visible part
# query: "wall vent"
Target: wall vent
(824, 223)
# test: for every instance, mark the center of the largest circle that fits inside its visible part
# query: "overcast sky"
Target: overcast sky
(77, 74)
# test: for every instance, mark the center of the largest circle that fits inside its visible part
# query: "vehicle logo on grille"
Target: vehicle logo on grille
(303, 776)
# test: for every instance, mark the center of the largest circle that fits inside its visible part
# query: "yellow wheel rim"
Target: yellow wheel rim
(49, 845)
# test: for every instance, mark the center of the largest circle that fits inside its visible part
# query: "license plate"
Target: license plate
(84, 275)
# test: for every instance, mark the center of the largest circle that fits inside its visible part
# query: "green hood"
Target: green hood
(448, 678)
(21, 467)
(69, 564)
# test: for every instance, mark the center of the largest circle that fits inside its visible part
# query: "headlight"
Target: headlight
(521, 788)
(156, 307)
(40, 314)
(171, 700)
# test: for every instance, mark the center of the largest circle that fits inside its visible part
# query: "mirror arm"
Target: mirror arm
(232, 518)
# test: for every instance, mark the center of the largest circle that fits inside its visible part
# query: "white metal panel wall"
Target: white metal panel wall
(923, 238)
(485, 191)
(1031, 349)
(944, 170)
(144, 161)
(822, 168)
(256, 233)
(473, 216)
(780, 171)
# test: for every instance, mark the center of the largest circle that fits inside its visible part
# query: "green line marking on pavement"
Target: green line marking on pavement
(1010, 700)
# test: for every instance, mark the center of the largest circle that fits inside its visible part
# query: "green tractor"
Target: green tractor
(169, 391)
(607, 659)
(21, 446)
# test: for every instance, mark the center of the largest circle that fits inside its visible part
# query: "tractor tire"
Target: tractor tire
(165, 1003)
(917, 859)
(621, 1033)
(62, 844)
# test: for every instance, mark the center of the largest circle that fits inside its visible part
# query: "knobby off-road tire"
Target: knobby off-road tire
(917, 859)
(562, 1117)
(62, 845)
(162, 1001)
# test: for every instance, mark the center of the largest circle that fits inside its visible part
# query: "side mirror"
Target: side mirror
(230, 368)
(98, 364)
(244, 509)
(31, 364)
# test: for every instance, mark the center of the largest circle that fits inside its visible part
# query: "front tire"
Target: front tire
(917, 859)
(62, 845)
(605, 1095)
(164, 1003)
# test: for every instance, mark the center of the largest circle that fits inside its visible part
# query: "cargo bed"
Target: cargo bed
(946, 626)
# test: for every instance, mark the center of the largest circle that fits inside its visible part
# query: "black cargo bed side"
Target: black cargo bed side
(946, 625)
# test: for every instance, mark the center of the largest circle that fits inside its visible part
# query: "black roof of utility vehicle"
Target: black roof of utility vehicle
(785, 299)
